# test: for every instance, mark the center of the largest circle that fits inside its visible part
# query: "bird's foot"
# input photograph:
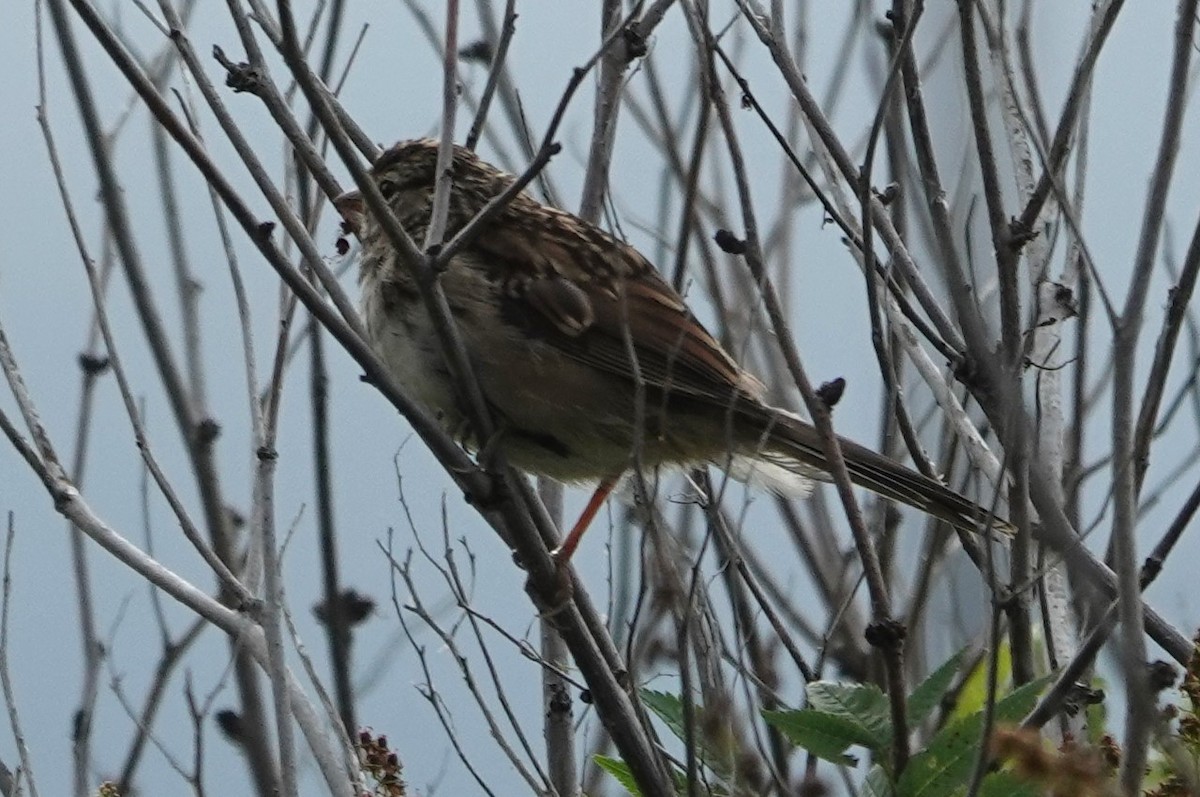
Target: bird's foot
(557, 597)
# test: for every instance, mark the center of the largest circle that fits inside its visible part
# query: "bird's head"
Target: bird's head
(406, 174)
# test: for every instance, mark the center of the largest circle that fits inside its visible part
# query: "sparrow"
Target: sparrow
(589, 361)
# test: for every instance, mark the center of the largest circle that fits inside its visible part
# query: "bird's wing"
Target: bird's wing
(599, 301)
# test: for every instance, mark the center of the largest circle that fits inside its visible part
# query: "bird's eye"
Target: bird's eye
(387, 188)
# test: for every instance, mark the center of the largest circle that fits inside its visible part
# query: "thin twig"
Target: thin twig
(10, 695)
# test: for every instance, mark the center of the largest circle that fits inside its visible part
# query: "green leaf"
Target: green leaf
(824, 735)
(945, 765)
(1014, 706)
(877, 783)
(715, 751)
(619, 770)
(1006, 784)
(865, 705)
(974, 689)
(668, 708)
(926, 697)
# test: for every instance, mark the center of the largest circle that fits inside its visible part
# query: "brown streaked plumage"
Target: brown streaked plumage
(549, 307)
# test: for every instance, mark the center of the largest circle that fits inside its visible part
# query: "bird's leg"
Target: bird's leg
(562, 554)
(551, 605)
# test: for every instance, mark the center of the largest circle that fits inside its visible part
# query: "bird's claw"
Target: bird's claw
(554, 601)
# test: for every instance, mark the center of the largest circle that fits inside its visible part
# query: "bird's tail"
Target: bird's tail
(790, 454)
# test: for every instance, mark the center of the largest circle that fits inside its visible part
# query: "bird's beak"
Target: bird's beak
(350, 205)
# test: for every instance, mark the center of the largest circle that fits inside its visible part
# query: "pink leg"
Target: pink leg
(562, 554)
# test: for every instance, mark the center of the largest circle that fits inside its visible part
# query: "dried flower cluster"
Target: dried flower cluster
(380, 765)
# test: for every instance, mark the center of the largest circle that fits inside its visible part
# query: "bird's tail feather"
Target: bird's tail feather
(791, 445)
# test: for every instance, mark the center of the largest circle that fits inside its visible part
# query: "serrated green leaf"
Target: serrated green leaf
(877, 783)
(974, 689)
(1014, 706)
(715, 751)
(865, 705)
(619, 770)
(945, 765)
(824, 735)
(667, 707)
(926, 697)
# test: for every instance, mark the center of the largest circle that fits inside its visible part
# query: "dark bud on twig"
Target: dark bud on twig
(478, 51)
(240, 76)
(1064, 297)
(966, 371)
(747, 102)
(230, 723)
(207, 431)
(93, 364)
(354, 608)
(885, 634)
(730, 243)
(266, 228)
(1088, 696)
(560, 700)
(635, 42)
(1019, 234)
(830, 393)
(585, 696)
(1161, 675)
(1079, 696)
(893, 29)
(889, 193)
(236, 519)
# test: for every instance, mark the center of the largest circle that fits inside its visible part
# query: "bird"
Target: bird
(589, 361)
